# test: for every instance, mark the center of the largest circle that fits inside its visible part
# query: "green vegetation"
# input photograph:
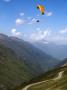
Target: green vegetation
(13, 70)
(20, 62)
(60, 84)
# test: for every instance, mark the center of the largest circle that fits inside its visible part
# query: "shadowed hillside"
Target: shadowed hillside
(13, 70)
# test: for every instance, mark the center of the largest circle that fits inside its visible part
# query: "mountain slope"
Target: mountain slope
(60, 74)
(62, 63)
(31, 55)
(13, 70)
(57, 51)
(53, 80)
(20, 62)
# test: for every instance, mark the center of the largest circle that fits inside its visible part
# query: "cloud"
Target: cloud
(39, 35)
(49, 14)
(22, 14)
(58, 37)
(15, 33)
(19, 21)
(33, 20)
(7, 0)
(64, 31)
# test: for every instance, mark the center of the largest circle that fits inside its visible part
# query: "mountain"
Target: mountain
(62, 63)
(53, 80)
(31, 54)
(20, 61)
(13, 70)
(57, 51)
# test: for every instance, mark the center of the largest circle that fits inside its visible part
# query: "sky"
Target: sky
(18, 18)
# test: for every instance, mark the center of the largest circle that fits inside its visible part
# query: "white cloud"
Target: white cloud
(15, 33)
(7, 0)
(19, 21)
(49, 14)
(39, 35)
(63, 31)
(58, 37)
(33, 21)
(21, 14)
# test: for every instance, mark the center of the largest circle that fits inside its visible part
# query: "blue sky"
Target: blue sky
(18, 18)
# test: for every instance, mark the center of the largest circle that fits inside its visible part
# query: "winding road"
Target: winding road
(60, 74)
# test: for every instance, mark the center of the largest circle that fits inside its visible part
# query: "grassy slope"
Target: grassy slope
(31, 54)
(13, 71)
(52, 85)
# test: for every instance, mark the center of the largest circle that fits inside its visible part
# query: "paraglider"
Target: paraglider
(41, 8)
(37, 21)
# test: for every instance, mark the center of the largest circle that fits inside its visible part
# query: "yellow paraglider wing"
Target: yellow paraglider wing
(41, 8)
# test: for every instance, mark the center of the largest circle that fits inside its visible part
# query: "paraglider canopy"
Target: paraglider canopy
(41, 8)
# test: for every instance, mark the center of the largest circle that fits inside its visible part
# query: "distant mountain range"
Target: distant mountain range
(20, 61)
(57, 51)
(63, 63)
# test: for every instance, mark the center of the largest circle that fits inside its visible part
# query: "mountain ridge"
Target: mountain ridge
(23, 49)
(55, 50)
(20, 62)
